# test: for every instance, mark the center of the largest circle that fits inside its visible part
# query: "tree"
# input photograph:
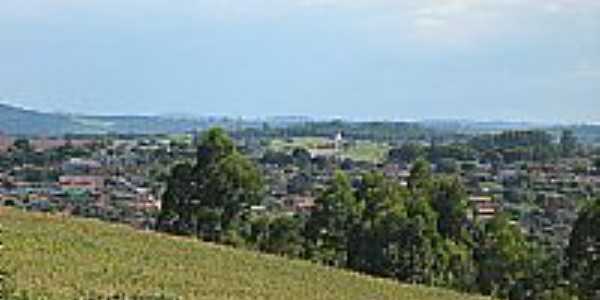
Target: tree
(330, 224)
(540, 276)
(449, 200)
(299, 184)
(208, 197)
(420, 176)
(424, 261)
(502, 255)
(301, 157)
(378, 244)
(568, 143)
(447, 166)
(583, 253)
(406, 153)
(284, 236)
(276, 158)
(176, 199)
(22, 145)
(460, 271)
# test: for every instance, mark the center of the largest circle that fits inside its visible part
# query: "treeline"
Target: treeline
(376, 131)
(502, 148)
(419, 233)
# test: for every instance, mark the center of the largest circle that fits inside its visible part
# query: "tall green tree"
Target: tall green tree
(425, 262)
(449, 200)
(420, 176)
(330, 224)
(406, 153)
(502, 255)
(583, 253)
(377, 243)
(568, 143)
(208, 197)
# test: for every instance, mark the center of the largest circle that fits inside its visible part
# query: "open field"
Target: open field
(358, 150)
(63, 258)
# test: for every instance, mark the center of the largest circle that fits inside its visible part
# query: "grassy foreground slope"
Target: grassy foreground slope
(60, 258)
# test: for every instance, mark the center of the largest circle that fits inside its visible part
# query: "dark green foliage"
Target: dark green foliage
(597, 164)
(511, 139)
(514, 146)
(206, 198)
(449, 200)
(568, 143)
(447, 166)
(283, 236)
(387, 230)
(452, 151)
(376, 131)
(406, 153)
(329, 228)
(299, 184)
(301, 157)
(420, 176)
(502, 255)
(276, 158)
(583, 253)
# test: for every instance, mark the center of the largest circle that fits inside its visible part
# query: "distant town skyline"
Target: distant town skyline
(526, 60)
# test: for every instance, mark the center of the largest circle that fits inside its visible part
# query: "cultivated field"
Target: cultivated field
(64, 258)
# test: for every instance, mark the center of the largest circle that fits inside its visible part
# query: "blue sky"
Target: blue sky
(536, 60)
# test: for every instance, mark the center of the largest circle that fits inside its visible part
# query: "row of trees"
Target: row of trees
(506, 147)
(420, 233)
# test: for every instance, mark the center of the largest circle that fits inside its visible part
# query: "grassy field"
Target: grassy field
(358, 151)
(63, 258)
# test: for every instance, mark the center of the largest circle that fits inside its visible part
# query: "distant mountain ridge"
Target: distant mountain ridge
(19, 121)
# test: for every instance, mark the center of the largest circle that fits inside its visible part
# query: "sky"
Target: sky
(526, 60)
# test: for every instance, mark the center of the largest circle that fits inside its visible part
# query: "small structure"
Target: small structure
(484, 208)
(89, 183)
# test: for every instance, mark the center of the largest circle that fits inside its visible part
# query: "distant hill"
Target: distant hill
(18, 121)
(21, 121)
(57, 257)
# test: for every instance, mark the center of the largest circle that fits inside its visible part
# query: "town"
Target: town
(539, 179)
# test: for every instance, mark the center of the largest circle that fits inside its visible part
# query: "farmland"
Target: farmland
(58, 257)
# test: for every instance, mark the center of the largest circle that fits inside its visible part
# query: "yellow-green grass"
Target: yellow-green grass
(60, 257)
(367, 151)
(358, 151)
(301, 142)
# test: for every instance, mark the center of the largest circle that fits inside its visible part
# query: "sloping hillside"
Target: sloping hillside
(20, 121)
(61, 258)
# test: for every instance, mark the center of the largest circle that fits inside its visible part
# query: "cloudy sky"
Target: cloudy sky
(533, 60)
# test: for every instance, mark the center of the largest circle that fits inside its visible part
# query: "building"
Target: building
(89, 183)
(484, 207)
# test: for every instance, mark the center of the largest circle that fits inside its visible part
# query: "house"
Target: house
(483, 207)
(299, 203)
(78, 166)
(5, 142)
(90, 183)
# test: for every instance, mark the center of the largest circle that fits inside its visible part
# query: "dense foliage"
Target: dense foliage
(207, 199)
(419, 233)
(583, 254)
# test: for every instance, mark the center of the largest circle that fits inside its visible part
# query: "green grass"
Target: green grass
(62, 258)
(360, 151)
(302, 142)
(367, 151)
